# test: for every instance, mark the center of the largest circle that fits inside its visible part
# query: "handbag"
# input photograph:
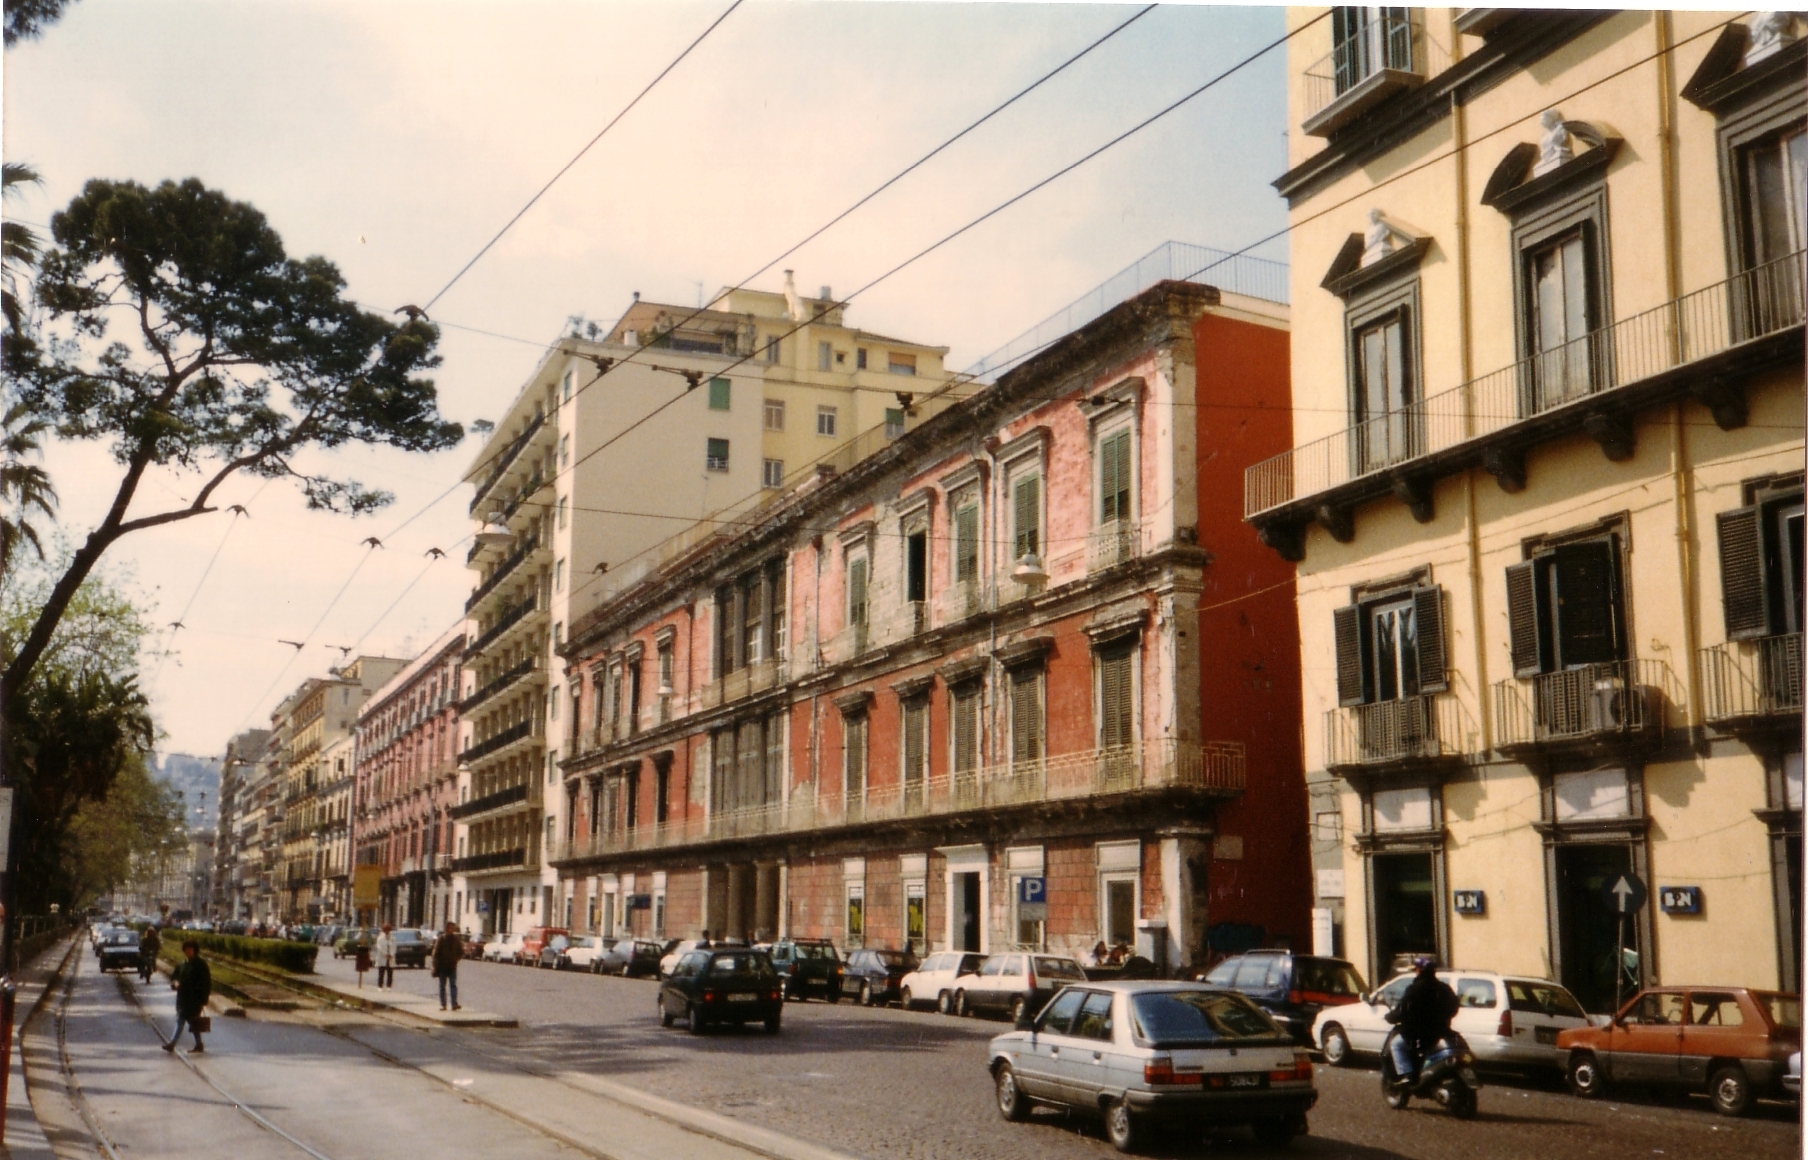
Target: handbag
(202, 1024)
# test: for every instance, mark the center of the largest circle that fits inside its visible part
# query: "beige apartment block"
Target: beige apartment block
(1545, 493)
(624, 449)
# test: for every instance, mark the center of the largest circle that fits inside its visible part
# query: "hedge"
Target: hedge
(294, 957)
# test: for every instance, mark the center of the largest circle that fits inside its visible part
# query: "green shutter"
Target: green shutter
(857, 592)
(966, 544)
(1028, 505)
(966, 728)
(916, 742)
(1026, 715)
(1117, 700)
(854, 755)
(1742, 597)
(718, 394)
(1114, 478)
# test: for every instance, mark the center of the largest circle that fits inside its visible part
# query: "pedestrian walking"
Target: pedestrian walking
(448, 952)
(383, 951)
(193, 984)
(149, 943)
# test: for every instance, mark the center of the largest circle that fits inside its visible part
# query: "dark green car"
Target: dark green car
(808, 966)
(723, 985)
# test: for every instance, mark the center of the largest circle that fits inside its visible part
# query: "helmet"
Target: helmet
(1425, 963)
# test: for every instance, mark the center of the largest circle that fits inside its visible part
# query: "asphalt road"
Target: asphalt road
(889, 1084)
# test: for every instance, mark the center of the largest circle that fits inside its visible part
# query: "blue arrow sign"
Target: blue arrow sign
(1625, 893)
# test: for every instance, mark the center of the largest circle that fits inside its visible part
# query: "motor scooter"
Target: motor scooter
(1447, 1076)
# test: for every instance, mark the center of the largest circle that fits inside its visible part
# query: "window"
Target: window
(1761, 564)
(564, 450)
(856, 913)
(772, 350)
(964, 729)
(825, 356)
(894, 422)
(667, 668)
(916, 749)
(662, 792)
(775, 414)
(1117, 696)
(914, 915)
(1114, 477)
(1094, 1021)
(1384, 391)
(966, 542)
(718, 393)
(569, 376)
(1564, 608)
(772, 473)
(1658, 1009)
(853, 757)
(564, 510)
(1561, 305)
(856, 592)
(1365, 41)
(901, 364)
(1026, 508)
(916, 564)
(825, 420)
(1026, 715)
(860, 358)
(558, 576)
(1776, 182)
(1117, 909)
(1391, 647)
(715, 455)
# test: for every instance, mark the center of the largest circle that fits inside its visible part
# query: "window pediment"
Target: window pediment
(962, 671)
(1396, 252)
(1027, 651)
(854, 703)
(913, 687)
(1515, 186)
(1723, 81)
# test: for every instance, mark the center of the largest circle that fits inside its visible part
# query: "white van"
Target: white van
(1508, 1020)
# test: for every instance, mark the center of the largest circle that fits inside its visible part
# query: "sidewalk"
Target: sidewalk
(408, 1003)
(25, 1138)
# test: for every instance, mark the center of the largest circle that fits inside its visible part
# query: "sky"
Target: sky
(396, 138)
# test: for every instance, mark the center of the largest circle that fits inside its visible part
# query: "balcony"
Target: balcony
(1755, 685)
(1588, 385)
(502, 571)
(515, 859)
(961, 600)
(846, 645)
(1587, 708)
(507, 737)
(499, 684)
(1111, 544)
(503, 623)
(1097, 777)
(506, 459)
(1389, 54)
(490, 802)
(1393, 736)
(743, 682)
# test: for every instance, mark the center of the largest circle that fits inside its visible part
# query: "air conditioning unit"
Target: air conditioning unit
(1619, 708)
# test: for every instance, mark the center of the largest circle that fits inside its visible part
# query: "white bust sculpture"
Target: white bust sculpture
(1379, 240)
(1554, 145)
(1770, 31)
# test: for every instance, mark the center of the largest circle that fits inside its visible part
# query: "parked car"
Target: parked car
(808, 966)
(571, 952)
(326, 936)
(352, 941)
(474, 944)
(1292, 988)
(933, 980)
(722, 985)
(1014, 982)
(629, 958)
(1732, 1043)
(668, 959)
(874, 976)
(119, 950)
(534, 942)
(1508, 1021)
(411, 947)
(1145, 1053)
(502, 948)
(1792, 1075)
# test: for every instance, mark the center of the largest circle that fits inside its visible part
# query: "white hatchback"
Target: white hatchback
(1507, 1020)
(933, 981)
(502, 949)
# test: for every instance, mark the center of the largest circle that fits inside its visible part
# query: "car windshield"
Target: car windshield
(580, 942)
(1326, 977)
(893, 958)
(1048, 968)
(1175, 1018)
(749, 964)
(816, 951)
(406, 936)
(1784, 1010)
(1544, 998)
(121, 939)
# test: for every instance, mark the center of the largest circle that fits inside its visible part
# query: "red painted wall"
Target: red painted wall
(1249, 682)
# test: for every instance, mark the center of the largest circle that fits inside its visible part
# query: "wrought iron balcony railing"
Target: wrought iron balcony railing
(1710, 321)
(495, 860)
(1389, 53)
(488, 802)
(1394, 734)
(508, 457)
(1753, 681)
(508, 565)
(1618, 701)
(506, 737)
(1096, 776)
(503, 623)
(500, 683)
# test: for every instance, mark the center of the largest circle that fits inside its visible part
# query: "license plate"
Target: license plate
(1243, 1081)
(742, 998)
(1545, 1034)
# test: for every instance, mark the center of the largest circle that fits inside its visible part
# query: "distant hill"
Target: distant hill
(197, 779)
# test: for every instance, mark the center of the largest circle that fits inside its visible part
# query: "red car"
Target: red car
(535, 941)
(1732, 1043)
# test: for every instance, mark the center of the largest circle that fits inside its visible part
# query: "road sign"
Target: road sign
(640, 902)
(1471, 902)
(1625, 893)
(1032, 899)
(483, 906)
(1679, 899)
(367, 885)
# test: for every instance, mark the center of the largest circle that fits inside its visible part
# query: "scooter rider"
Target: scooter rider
(1423, 1017)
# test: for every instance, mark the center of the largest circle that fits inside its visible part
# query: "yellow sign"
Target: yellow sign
(366, 885)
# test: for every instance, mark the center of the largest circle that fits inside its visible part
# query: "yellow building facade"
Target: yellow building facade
(1545, 493)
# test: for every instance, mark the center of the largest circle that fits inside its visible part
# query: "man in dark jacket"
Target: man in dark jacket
(448, 952)
(194, 986)
(149, 943)
(1423, 1017)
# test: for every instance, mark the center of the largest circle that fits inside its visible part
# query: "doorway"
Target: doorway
(1589, 932)
(1406, 924)
(964, 892)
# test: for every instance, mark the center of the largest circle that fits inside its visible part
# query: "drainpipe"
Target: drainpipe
(1459, 123)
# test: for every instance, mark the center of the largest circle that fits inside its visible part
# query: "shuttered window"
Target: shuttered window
(1522, 619)
(722, 747)
(853, 758)
(1117, 697)
(1114, 477)
(631, 795)
(857, 591)
(749, 764)
(1428, 610)
(1026, 715)
(1347, 630)
(773, 789)
(1026, 507)
(1391, 647)
(1565, 608)
(965, 726)
(916, 742)
(966, 544)
(1742, 574)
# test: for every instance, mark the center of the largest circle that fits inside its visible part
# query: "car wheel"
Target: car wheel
(960, 1005)
(772, 1024)
(943, 1004)
(1122, 1128)
(1017, 1006)
(693, 1016)
(1731, 1091)
(1585, 1078)
(866, 994)
(1336, 1045)
(1279, 1130)
(904, 999)
(832, 994)
(1013, 1105)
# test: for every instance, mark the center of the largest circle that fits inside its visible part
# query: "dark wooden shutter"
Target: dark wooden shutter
(857, 591)
(854, 750)
(1114, 478)
(916, 741)
(722, 744)
(1117, 699)
(748, 775)
(1028, 507)
(1587, 619)
(1428, 617)
(966, 727)
(1742, 596)
(1522, 618)
(966, 544)
(775, 759)
(1026, 715)
(1346, 625)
